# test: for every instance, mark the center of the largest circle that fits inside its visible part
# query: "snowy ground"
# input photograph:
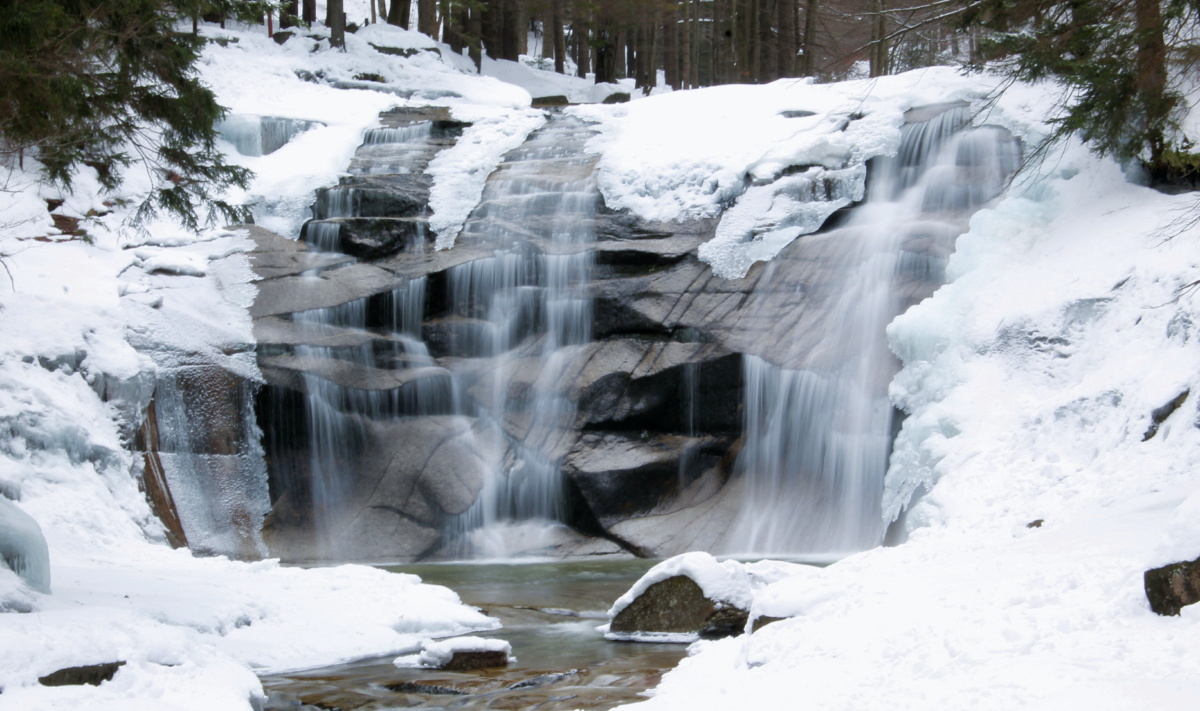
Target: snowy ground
(1030, 381)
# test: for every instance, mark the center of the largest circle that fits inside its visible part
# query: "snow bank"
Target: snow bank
(191, 631)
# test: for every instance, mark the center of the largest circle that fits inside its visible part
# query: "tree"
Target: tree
(107, 84)
(1113, 57)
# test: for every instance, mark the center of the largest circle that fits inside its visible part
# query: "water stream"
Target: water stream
(818, 436)
(550, 612)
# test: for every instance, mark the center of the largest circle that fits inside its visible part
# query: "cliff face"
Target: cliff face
(563, 362)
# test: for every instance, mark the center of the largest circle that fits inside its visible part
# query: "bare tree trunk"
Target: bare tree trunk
(879, 42)
(1151, 66)
(620, 40)
(398, 13)
(785, 14)
(336, 19)
(288, 14)
(582, 37)
(475, 33)
(809, 68)
(308, 11)
(559, 37)
(427, 21)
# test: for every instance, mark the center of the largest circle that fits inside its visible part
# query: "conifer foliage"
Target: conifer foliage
(110, 84)
(1117, 59)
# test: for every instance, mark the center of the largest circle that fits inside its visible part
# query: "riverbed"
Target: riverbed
(550, 612)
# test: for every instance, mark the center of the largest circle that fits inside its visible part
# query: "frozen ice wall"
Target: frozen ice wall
(23, 547)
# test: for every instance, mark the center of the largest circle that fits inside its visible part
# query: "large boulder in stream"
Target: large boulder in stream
(692, 596)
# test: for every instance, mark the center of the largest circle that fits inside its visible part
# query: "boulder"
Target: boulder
(462, 654)
(93, 674)
(1173, 587)
(677, 605)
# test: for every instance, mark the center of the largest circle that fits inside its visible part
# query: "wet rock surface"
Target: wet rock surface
(649, 414)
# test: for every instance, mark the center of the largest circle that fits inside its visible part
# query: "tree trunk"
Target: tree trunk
(288, 14)
(427, 21)
(308, 11)
(559, 36)
(879, 42)
(809, 67)
(671, 49)
(475, 35)
(785, 14)
(398, 13)
(583, 49)
(336, 20)
(1151, 65)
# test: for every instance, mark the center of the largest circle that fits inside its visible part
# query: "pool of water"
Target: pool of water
(550, 611)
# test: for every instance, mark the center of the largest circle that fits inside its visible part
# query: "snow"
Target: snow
(460, 172)
(435, 654)
(692, 154)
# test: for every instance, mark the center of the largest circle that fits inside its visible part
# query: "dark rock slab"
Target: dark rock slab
(1173, 587)
(466, 661)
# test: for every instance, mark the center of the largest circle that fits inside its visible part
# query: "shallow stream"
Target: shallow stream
(550, 612)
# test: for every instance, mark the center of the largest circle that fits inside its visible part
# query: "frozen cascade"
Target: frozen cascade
(526, 310)
(817, 436)
(208, 447)
(23, 547)
(261, 135)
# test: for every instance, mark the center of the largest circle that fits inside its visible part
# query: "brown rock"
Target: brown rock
(1172, 587)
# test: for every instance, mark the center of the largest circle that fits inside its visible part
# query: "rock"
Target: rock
(545, 102)
(1160, 414)
(465, 661)
(677, 605)
(464, 654)
(1173, 587)
(400, 482)
(372, 237)
(94, 674)
(619, 97)
(623, 475)
(282, 36)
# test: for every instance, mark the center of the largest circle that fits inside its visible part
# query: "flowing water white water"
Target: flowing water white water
(817, 437)
(526, 311)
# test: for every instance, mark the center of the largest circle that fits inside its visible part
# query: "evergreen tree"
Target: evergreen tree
(110, 83)
(1113, 56)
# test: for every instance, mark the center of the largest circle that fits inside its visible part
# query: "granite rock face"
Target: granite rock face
(366, 317)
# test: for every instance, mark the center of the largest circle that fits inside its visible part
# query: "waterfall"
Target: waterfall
(818, 432)
(525, 312)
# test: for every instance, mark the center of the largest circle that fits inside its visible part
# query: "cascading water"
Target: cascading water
(818, 433)
(525, 313)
